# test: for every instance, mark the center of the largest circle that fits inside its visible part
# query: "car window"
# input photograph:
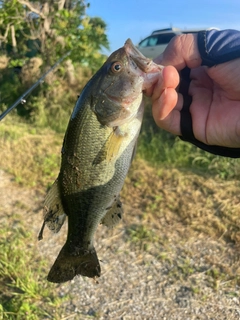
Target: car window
(191, 31)
(149, 42)
(157, 39)
(143, 43)
(152, 41)
(165, 38)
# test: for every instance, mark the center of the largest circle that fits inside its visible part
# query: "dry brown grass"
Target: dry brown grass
(3, 61)
(32, 156)
(199, 203)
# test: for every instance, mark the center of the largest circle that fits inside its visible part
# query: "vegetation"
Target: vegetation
(31, 154)
(160, 147)
(23, 295)
(33, 36)
(172, 205)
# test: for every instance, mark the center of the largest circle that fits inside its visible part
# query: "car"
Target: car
(153, 45)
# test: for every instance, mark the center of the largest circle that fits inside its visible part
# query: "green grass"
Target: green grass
(161, 148)
(141, 236)
(176, 153)
(23, 294)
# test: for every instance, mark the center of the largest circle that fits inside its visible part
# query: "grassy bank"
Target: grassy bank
(178, 190)
(31, 155)
(22, 293)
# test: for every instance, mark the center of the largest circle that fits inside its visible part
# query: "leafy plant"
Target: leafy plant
(36, 34)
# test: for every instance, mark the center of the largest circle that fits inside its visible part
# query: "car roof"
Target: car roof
(178, 30)
(166, 30)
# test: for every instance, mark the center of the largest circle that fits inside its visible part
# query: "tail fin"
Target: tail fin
(67, 266)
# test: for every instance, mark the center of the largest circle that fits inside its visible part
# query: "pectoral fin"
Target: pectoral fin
(110, 149)
(53, 212)
(114, 214)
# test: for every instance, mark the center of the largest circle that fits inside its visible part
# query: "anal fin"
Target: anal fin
(53, 212)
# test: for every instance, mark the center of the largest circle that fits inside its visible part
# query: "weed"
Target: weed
(182, 269)
(141, 236)
(22, 293)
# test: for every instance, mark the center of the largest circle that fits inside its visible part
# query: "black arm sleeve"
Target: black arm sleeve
(218, 46)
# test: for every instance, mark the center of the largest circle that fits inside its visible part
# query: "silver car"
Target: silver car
(155, 44)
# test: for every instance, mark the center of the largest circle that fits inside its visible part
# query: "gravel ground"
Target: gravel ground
(136, 283)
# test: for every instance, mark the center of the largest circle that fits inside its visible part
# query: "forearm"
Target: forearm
(216, 46)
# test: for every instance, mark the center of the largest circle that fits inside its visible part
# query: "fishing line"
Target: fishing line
(22, 99)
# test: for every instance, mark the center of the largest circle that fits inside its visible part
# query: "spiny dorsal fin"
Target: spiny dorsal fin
(53, 212)
(114, 214)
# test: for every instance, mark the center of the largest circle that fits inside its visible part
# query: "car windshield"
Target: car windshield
(156, 40)
(149, 42)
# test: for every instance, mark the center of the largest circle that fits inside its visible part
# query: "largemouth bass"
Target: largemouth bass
(97, 152)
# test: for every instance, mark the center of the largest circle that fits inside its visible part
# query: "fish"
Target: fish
(98, 148)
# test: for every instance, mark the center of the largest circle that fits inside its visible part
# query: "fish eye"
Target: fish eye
(116, 67)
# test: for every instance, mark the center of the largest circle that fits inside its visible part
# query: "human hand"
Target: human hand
(215, 92)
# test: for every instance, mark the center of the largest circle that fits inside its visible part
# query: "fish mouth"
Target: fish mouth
(143, 63)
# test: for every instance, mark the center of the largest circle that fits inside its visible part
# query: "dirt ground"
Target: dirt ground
(153, 267)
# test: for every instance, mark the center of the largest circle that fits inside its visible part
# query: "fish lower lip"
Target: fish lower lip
(124, 102)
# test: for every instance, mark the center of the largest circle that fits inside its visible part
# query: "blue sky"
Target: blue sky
(136, 19)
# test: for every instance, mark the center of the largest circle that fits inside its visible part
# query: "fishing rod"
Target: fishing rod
(41, 80)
